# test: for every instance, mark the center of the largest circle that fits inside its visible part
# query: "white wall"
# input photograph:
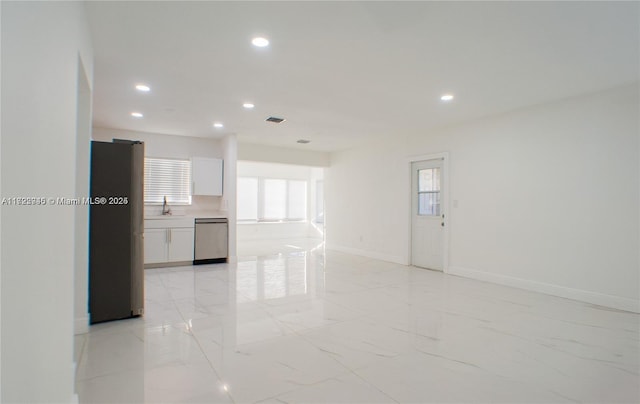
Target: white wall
(172, 146)
(41, 43)
(547, 198)
(272, 170)
(230, 145)
(261, 231)
(0, 206)
(272, 154)
(316, 230)
(160, 145)
(81, 213)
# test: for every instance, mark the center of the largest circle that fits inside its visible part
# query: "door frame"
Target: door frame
(444, 156)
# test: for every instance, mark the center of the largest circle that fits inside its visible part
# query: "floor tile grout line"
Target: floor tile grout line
(298, 328)
(112, 372)
(308, 340)
(215, 372)
(291, 332)
(80, 357)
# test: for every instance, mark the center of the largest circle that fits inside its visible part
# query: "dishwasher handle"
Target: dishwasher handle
(211, 220)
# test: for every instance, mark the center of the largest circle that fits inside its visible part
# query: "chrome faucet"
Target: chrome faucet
(166, 210)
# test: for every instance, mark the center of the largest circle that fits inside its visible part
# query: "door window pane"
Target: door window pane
(429, 203)
(275, 199)
(429, 180)
(429, 192)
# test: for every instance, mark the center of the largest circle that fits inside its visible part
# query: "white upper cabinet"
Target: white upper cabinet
(207, 176)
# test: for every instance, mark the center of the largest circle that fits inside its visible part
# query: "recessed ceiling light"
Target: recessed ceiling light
(447, 97)
(248, 105)
(143, 88)
(218, 125)
(260, 42)
(137, 115)
(303, 141)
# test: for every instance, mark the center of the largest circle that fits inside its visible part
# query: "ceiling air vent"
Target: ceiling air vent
(304, 141)
(274, 119)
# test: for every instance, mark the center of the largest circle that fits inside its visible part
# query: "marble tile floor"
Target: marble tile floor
(258, 248)
(309, 325)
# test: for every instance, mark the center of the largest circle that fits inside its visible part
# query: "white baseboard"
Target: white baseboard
(81, 325)
(263, 237)
(75, 399)
(369, 254)
(599, 299)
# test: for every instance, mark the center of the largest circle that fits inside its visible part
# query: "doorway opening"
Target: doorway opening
(280, 208)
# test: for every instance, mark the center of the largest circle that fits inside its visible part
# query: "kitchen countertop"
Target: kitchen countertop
(209, 214)
(198, 215)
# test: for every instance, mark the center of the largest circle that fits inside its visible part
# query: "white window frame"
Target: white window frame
(261, 202)
(172, 199)
(256, 200)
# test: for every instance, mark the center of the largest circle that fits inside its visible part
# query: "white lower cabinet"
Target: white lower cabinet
(180, 245)
(155, 246)
(166, 242)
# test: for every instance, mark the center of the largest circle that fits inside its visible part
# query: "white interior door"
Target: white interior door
(427, 224)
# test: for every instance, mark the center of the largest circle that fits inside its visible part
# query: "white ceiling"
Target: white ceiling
(344, 72)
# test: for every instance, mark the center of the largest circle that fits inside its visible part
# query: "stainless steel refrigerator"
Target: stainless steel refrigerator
(116, 256)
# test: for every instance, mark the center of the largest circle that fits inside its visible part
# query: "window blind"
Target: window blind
(167, 177)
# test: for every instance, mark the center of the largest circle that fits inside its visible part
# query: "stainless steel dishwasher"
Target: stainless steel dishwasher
(211, 241)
